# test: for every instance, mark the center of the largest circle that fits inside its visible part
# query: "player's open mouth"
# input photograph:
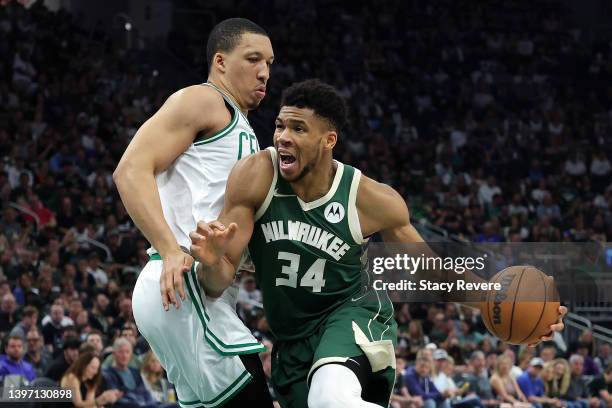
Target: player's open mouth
(287, 161)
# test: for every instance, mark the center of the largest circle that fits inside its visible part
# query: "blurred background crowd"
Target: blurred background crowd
(493, 119)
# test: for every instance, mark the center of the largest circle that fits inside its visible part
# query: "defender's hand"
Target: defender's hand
(557, 327)
(171, 279)
(210, 241)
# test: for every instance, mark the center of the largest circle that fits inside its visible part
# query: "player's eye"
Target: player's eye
(253, 60)
(299, 129)
(279, 126)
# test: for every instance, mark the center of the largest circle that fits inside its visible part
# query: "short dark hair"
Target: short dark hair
(225, 36)
(322, 98)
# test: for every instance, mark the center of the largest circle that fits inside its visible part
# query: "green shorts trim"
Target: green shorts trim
(224, 396)
(192, 284)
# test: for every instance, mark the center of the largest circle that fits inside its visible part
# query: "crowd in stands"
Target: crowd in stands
(493, 120)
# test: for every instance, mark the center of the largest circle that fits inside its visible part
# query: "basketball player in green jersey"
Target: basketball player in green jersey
(304, 218)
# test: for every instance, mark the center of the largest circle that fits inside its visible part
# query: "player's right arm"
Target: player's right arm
(219, 245)
(156, 145)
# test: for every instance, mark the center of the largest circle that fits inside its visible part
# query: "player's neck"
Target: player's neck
(227, 91)
(316, 183)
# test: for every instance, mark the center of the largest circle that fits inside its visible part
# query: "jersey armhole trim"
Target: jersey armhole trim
(353, 215)
(218, 135)
(264, 206)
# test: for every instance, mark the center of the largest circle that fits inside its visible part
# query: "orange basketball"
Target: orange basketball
(525, 307)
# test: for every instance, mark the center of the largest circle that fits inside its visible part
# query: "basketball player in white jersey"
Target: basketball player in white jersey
(172, 174)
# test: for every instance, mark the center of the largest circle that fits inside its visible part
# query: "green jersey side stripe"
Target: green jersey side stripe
(222, 132)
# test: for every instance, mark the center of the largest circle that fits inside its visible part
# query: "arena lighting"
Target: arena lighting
(128, 26)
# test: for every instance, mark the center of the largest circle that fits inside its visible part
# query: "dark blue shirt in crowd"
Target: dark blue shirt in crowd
(130, 382)
(531, 386)
(21, 367)
(421, 386)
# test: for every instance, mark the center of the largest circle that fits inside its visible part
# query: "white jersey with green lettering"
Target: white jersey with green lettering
(198, 344)
(193, 187)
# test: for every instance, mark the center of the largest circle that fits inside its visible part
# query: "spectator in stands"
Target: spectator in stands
(590, 368)
(94, 338)
(128, 332)
(97, 271)
(604, 355)
(70, 352)
(419, 383)
(548, 353)
(505, 387)
(153, 377)
(601, 386)
(525, 357)
(532, 385)
(515, 371)
(37, 355)
(98, 316)
(8, 309)
(248, 293)
(578, 389)
(121, 376)
(12, 363)
(491, 356)
(54, 326)
(125, 314)
(29, 319)
(75, 307)
(553, 386)
(444, 382)
(548, 208)
(478, 378)
(416, 337)
(487, 190)
(401, 398)
(23, 292)
(84, 379)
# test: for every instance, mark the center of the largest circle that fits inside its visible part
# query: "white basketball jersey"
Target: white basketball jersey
(193, 187)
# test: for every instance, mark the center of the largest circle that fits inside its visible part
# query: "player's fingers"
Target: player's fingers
(562, 312)
(196, 238)
(557, 327)
(547, 337)
(170, 289)
(195, 251)
(204, 228)
(178, 285)
(231, 230)
(180, 281)
(532, 345)
(217, 225)
(162, 289)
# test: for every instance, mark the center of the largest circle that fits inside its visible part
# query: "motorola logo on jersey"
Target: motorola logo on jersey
(334, 212)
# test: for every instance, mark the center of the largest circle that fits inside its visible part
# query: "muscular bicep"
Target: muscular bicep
(244, 194)
(402, 234)
(393, 223)
(172, 129)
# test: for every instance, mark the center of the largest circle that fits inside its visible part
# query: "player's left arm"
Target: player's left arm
(394, 226)
(219, 245)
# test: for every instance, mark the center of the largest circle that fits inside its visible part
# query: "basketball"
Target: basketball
(525, 307)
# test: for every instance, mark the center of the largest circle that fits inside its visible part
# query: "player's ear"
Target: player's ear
(331, 138)
(219, 61)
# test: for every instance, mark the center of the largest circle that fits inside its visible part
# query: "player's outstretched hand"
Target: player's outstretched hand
(557, 327)
(209, 241)
(171, 279)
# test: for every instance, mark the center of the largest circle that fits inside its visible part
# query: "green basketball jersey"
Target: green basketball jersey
(307, 256)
